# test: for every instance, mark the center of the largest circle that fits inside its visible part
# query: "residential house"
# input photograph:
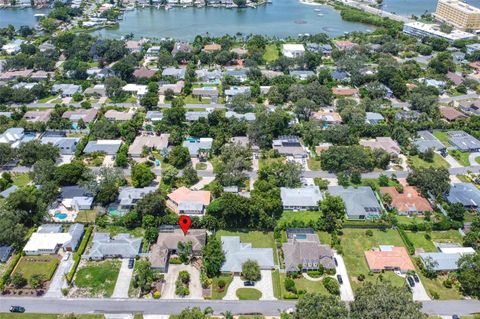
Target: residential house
(86, 115)
(235, 90)
(167, 245)
(154, 116)
(384, 143)
(327, 116)
(153, 51)
(388, 257)
(360, 202)
(321, 147)
(117, 116)
(446, 259)
(177, 73)
(13, 47)
(136, 89)
(249, 117)
(38, 116)
(456, 78)
(209, 76)
(66, 90)
(100, 73)
(193, 116)
(108, 147)
(49, 238)
(66, 145)
(74, 198)
(408, 202)
(439, 85)
(466, 194)
(120, 246)
(451, 114)
(5, 193)
(301, 75)
(463, 141)
(5, 252)
(293, 50)
(374, 118)
(407, 116)
(45, 46)
(426, 141)
(12, 136)
(143, 73)
(470, 107)
(134, 46)
(341, 76)
(159, 143)
(238, 74)
(128, 197)
(345, 45)
(237, 253)
(472, 47)
(184, 201)
(97, 90)
(14, 75)
(211, 48)
(304, 249)
(176, 88)
(344, 91)
(206, 92)
(289, 146)
(181, 47)
(198, 147)
(302, 198)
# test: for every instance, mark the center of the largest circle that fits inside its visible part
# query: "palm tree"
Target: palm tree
(227, 315)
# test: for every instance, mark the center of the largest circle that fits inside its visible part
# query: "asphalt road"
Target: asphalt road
(167, 307)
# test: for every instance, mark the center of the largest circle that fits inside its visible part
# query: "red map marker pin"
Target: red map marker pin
(184, 222)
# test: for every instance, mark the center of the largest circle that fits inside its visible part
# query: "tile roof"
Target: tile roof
(389, 257)
(451, 113)
(183, 194)
(410, 201)
(385, 143)
(152, 142)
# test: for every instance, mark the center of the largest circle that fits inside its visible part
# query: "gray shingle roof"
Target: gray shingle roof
(427, 140)
(109, 147)
(237, 253)
(76, 230)
(442, 261)
(463, 141)
(301, 197)
(122, 245)
(465, 193)
(360, 201)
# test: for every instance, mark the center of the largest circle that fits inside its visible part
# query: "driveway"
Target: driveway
(123, 281)
(419, 293)
(108, 161)
(451, 161)
(204, 181)
(58, 281)
(171, 277)
(472, 158)
(264, 285)
(346, 292)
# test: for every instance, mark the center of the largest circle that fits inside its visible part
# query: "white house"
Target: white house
(291, 50)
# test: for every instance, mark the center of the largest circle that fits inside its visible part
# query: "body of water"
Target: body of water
(282, 18)
(416, 7)
(20, 16)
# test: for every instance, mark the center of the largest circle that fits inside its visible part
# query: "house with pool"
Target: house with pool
(71, 201)
(128, 198)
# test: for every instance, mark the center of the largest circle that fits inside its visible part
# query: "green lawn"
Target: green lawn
(277, 283)
(21, 179)
(438, 162)
(248, 294)
(98, 278)
(45, 316)
(373, 183)
(216, 294)
(420, 241)
(201, 166)
(86, 216)
(46, 99)
(461, 157)
(410, 219)
(256, 238)
(442, 136)
(325, 238)
(354, 243)
(271, 53)
(37, 265)
(477, 159)
(305, 216)
(115, 230)
(449, 236)
(314, 164)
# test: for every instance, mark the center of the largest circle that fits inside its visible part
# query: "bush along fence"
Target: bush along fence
(78, 254)
(408, 243)
(9, 270)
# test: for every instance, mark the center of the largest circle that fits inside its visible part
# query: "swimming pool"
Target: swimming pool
(60, 215)
(114, 212)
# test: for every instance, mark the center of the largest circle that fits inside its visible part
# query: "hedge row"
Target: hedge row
(443, 225)
(78, 254)
(9, 270)
(408, 243)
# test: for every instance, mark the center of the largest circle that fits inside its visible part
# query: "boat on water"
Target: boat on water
(39, 15)
(130, 8)
(320, 14)
(317, 10)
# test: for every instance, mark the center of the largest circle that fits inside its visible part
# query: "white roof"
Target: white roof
(132, 87)
(293, 47)
(457, 250)
(46, 241)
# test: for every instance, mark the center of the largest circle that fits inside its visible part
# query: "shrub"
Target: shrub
(314, 273)
(9, 270)
(157, 295)
(434, 294)
(65, 291)
(290, 285)
(78, 254)
(175, 261)
(331, 285)
(361, 277)
(369, 233)
(447, 283)
(221, 284)
(289, 295)
(408, 243)
(330, 271)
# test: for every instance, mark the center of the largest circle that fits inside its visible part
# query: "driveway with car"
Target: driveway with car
(123, 280)
(346, 292)
(418, 291)
(264, 285)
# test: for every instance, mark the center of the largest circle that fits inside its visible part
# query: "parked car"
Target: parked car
(131, 261)
(249, 283)
(455, 317)
(335, 261)
(340, 280)
(411, 282)
(17, 309)
(415, 277)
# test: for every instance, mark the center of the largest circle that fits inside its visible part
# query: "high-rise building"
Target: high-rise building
(459, 14)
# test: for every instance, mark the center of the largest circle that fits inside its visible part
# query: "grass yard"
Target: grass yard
(271, 53)
(22, 179)
(420, 241)
(325, 238)
(438, 162)
(314, 164)
(37, 265)
(461, 157)
(216, 294)
(248, 294)
(86, 216)
(46, 316)
(98, 278)
(442, 136)
(477, 159)
(256, 238)
(410, 219)
(449, 236)
(355, 243)
(304, 216)
(277, 283)
(201, 166)
(115, 230)
(373, 183)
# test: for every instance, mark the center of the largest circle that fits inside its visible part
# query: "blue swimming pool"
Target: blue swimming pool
(60, 215)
